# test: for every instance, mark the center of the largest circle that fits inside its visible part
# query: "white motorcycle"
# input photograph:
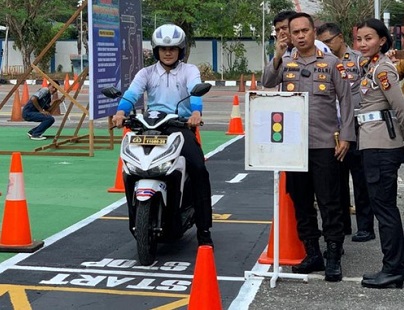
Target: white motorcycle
(162, 197)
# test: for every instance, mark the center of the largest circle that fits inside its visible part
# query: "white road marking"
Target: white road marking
(117, 272)
(238, 178)
(216, 198)
(52, 239)
(247, 291)
(223, 146)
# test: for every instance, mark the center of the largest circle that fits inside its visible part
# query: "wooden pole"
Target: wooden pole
(44, 51)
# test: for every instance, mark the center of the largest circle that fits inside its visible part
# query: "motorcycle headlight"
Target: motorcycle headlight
(132, 168)
(161, 169)
(126, 150)
(151, 173)
(173, 147)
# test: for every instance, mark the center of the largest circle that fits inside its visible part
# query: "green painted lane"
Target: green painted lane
(62, 190)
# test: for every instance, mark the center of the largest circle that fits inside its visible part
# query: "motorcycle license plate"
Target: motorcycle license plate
(149, 140)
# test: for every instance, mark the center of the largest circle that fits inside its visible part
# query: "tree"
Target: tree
(396, 9)
(210, 18)
(30, 22)
(347, 13)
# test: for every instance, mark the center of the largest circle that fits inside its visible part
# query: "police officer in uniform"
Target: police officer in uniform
(331, 34)
(323, 76)
(381, 120)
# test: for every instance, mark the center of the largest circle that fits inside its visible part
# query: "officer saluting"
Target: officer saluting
(323, 76)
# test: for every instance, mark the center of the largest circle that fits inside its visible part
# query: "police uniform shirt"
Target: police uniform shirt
(380, 90)
(350, 60)
(323, 76)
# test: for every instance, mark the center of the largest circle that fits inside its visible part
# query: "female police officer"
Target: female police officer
(381, 120)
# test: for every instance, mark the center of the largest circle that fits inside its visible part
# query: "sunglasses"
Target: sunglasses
(330, 39)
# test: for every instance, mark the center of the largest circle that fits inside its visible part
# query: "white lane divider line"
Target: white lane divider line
(238, 178)
(216, 198)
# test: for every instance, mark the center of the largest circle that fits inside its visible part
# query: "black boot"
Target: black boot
(333, 272)
(314, 259)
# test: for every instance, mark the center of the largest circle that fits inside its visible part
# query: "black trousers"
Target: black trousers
(381, 167)
(323, 181)
(364, 215)
(199, 175)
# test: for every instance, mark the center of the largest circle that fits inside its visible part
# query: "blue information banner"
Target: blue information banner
(114, 56)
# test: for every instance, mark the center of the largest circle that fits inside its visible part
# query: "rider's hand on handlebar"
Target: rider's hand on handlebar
(195, 119)
(118, 119)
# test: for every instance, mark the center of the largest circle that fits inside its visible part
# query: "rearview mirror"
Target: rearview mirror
(111, 92)
(200, 89)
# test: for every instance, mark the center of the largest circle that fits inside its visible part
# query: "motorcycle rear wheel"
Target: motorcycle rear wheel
(146, 239)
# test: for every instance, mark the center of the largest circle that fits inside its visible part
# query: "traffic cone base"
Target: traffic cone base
(235, 127)
(118, 186)
(291, 249)
(34, 246)
(16, 231)
(205, 294)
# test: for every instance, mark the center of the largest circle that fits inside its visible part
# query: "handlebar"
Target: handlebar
(181, 122)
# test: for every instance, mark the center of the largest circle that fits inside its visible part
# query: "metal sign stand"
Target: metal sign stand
(277, 270)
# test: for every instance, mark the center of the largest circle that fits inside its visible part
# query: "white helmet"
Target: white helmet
(168, 35)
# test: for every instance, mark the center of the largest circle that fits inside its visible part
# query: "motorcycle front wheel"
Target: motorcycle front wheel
(146, 221)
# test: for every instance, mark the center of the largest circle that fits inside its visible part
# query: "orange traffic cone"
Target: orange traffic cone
(56, 106)
(16, 113)
(253, 85)
(241, 85)
(198, 136)
(76, 80)
(119, 185)
(205, 292)
(235, 125)
(291, 249)
(66, 84)
(44, 83)
(25, 94)
(16, 231)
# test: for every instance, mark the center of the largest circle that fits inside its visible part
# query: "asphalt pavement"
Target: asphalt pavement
(294, 294)
(358, 259)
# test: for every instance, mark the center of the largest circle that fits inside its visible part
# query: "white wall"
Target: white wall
(201, 53)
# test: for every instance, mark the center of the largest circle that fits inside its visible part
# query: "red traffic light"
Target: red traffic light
(277, 127)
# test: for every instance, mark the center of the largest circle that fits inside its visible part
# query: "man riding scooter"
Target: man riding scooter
(166, 83)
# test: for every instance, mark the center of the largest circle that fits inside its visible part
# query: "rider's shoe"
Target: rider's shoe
(204, 238)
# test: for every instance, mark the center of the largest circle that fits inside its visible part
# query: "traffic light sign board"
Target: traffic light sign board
(277, 127)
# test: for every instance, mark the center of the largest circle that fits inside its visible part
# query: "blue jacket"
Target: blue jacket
(165, 89)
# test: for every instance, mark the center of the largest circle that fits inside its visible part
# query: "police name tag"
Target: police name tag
(149, 140)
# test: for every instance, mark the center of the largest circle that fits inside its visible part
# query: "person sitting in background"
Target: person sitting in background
(38, 109)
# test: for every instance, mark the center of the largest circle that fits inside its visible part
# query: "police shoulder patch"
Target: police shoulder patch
(384, 80)
(342, 71)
